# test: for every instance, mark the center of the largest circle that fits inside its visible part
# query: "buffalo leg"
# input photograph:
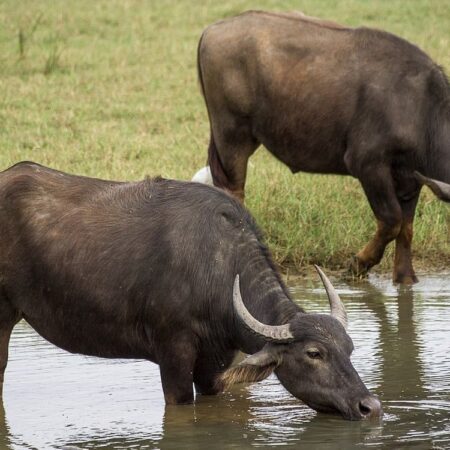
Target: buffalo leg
(403, 268)
(8, 318)
(176, 365)
(380, 191)
(207, 371)
(230, 147)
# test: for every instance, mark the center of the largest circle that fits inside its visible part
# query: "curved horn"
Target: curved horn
(271, 333)
(439, 188)
(337, 307)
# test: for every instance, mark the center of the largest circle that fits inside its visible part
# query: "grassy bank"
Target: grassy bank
(109, 89)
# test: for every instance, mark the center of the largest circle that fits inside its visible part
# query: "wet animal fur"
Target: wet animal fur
(245, 373)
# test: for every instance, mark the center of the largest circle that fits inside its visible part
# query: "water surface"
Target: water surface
(55, 400)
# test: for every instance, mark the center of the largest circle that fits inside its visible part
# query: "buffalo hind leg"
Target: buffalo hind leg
(403, 268)
(8, 318)
(379, 187)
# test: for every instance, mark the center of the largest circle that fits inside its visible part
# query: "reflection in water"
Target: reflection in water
(400, 372)
(4, 431)
(57, 400)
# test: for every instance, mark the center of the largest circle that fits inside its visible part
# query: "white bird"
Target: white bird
(203, 176)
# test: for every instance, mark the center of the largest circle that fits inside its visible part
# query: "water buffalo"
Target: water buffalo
(325, 98)
(154, 270)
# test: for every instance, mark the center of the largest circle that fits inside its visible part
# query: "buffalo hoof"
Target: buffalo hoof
(401, 278)
(357, 268)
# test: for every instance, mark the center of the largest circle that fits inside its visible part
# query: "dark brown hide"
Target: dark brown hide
(325, 98)
(146, 270)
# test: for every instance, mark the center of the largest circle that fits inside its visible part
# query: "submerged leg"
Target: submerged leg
(8, 318)
(176, 364)
(207, 371)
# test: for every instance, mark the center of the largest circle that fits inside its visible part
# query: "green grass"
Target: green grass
(109, 89)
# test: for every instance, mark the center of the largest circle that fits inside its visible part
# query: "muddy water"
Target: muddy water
(55, 400)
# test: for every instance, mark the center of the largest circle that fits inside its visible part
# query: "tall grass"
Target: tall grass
(109, 89)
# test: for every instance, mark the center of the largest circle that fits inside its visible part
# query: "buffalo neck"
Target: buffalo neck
(265, 296)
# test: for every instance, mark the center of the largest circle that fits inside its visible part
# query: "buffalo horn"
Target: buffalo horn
(439, 188)
(271, 333)
(337, 307)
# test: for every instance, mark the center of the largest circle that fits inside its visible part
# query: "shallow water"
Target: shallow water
(55, 400)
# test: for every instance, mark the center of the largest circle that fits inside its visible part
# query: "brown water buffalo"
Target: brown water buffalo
(154, 270)
(325, 98)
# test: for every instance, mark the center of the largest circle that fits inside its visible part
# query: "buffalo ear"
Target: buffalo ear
(256, 367)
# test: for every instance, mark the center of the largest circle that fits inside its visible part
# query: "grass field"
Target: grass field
(109, 88)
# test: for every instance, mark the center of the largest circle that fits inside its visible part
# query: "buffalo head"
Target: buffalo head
(310, 356)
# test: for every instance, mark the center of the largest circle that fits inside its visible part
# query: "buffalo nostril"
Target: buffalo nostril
(370, 407)
(364, 409)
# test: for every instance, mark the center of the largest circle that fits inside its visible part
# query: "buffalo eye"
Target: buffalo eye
(313, 353)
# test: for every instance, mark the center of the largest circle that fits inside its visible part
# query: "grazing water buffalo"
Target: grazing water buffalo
(155, 270)
(325, 98)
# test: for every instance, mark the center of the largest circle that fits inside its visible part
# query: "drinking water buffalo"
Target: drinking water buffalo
(155, 270)
(325, 98)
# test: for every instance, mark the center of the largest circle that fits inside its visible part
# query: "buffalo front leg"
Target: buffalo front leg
(379, 188)
(176, 365)
(231, 145)
(207, 371)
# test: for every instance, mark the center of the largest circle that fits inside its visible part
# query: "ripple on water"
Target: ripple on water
(57, 400)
